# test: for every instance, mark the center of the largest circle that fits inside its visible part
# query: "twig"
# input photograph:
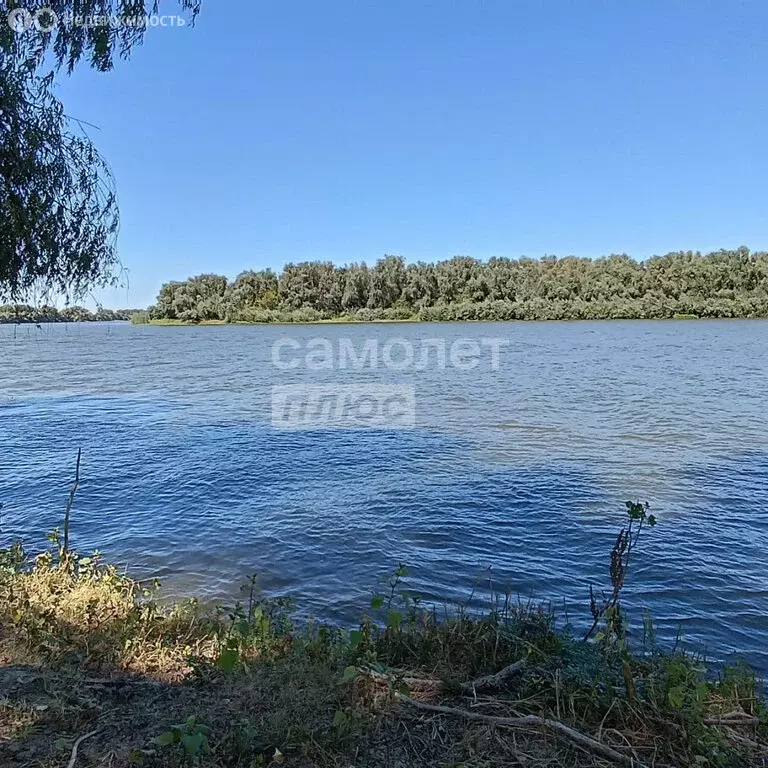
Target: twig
(576, 737)
(65, 547)
(73, 757)
(492, 681)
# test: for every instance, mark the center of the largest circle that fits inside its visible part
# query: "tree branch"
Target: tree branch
(532, 721)
(492, 681)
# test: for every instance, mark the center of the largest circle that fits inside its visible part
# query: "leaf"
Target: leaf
(340, 718)
(193, 743)
(394, 619)
(164, 739)
(136, 757)
(350, 673)
(676, 696)
(403, 690)
(355, 636)
(376, 602)
(227, 660)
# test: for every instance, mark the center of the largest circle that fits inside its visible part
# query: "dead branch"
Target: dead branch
(73, 757)
(65, 546)
(532, 721)
(492, 681)
(733, 718)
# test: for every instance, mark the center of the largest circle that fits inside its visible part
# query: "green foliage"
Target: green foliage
(58, 210)
(139, 318)
(254, 630)
(23, 313)
(190, 736)
(58, 206)
(679, 285)
(98, 44)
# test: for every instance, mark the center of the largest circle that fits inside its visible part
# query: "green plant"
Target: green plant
(12, 559)
(191, 736)
(609, 610)
(256, 629)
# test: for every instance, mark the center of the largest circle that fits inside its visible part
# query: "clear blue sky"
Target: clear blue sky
(287, 130)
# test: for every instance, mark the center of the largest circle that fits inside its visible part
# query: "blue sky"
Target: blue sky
(287, 130)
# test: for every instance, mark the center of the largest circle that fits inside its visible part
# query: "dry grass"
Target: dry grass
(84, 648)
(87, 613)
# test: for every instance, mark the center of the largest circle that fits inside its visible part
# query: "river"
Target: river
(512, 472)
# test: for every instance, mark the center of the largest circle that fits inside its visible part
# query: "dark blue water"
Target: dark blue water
(521, 470)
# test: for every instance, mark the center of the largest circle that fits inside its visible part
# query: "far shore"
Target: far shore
(417, 321)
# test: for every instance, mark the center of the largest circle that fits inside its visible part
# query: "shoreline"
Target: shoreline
(382, 321)
(88, 653)
(417, 321)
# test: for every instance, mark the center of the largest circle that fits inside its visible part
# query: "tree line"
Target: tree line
(724, 283)
(24, 313)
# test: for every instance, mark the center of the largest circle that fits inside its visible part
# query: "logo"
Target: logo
(21, 19)
(358, 406)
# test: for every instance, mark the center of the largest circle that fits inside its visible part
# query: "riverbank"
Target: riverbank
(688, 309)
(328, 321)
(411, 321)
(95, 668)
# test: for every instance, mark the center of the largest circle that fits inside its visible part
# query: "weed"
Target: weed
(191, 737)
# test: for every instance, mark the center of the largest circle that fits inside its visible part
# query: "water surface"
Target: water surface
(523, 470)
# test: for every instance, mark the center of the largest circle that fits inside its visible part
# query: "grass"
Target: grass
(86, 651)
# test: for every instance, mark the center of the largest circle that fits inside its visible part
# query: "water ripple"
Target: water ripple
(516, 476)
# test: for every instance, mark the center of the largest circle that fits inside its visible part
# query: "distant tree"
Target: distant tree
(720, 284)
(357, 285)
(315, 284)
(201, 298)
(420, 289)
(386, 283)
(252, 290)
